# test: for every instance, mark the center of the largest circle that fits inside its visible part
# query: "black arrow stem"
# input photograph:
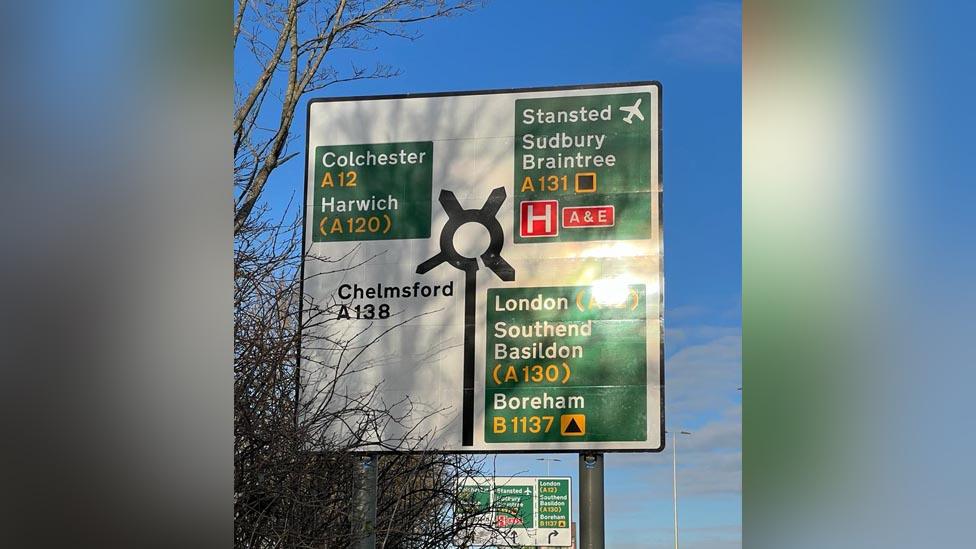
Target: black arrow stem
(467, 398)
(492, 259)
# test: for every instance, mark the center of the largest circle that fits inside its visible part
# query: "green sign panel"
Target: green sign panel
(566, 364)
(554, 502)
(475, 498)
(380, 191)
(514, 507)
(583, 168)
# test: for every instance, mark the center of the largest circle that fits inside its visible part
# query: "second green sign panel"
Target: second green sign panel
(566, 364)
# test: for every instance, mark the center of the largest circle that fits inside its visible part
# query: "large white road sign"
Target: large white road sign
(490, 266)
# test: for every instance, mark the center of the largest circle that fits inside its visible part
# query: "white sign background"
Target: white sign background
(421, 361)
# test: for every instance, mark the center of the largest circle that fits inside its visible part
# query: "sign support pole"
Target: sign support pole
(367, 501)
(591, 501)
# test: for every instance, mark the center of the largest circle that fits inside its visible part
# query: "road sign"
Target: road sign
(487, 265)
(522, 510)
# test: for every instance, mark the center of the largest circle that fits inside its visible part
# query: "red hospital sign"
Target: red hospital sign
(539, 218)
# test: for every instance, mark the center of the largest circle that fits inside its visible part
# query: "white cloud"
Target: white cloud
(680, 336)
(686, 312)
(701, 386)
(709, 464)
(703, 380)
(712, 34)
(722, 434)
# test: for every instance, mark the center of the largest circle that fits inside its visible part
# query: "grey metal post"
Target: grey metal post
(367, 501)
(674, 478)
(674, 482)
(591, 501)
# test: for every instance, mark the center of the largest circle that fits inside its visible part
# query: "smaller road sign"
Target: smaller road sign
(530, 511)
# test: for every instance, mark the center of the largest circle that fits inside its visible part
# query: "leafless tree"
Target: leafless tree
(290, 46)
(294, 486)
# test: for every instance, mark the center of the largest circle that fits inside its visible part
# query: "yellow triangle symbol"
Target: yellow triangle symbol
(572, 425)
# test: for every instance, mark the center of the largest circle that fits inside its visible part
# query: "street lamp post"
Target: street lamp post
(674, 479)
(548, 462)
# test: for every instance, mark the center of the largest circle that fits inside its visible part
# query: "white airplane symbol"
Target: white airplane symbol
(633, 111)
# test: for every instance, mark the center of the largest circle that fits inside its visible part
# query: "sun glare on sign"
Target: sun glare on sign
(615, 250)
(611, 291)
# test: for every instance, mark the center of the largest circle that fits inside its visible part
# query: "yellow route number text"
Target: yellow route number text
(341, 179)
(522, 424)
(358, 224)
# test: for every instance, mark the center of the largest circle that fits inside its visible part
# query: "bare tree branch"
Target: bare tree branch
(295, 464)
(238, 18)
(310, 30)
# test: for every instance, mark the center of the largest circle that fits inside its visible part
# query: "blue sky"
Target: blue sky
(693, 49)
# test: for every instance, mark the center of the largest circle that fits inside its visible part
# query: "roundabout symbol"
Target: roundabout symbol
(491, 258)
